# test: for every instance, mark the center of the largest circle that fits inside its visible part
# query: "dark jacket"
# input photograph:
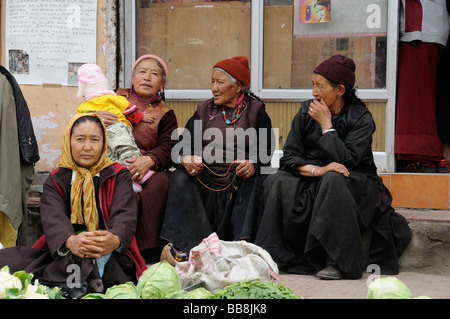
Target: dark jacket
(259, 148)
(350, 145)
(27, 140)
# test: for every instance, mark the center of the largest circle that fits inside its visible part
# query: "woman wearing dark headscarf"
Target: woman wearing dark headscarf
(327, 192)
(215, 187)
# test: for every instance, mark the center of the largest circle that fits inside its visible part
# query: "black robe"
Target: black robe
(308, 219)
(193, 211)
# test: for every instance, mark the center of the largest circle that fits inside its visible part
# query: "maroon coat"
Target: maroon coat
(154, 139)
(120, 218)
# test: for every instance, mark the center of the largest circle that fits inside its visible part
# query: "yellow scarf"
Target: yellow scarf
(83, 185)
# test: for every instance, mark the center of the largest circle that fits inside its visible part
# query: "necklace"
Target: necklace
(155, 99)
(240, 106)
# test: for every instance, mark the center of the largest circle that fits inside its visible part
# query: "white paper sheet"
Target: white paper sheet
(46, 41)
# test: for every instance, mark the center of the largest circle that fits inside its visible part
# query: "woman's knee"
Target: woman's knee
(180, 178)
(334, 177)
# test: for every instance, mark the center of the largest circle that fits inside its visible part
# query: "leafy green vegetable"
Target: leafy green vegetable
(255, 290)
(198, 293)
(123, 291)
(158, 280)
(94, 296)
(9, 285)
(388, 288)
(19, 286)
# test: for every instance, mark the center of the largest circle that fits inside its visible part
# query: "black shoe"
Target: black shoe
(331, 271)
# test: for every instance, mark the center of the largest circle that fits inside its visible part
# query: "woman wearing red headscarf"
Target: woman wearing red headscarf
(215, 187)
(327, 192)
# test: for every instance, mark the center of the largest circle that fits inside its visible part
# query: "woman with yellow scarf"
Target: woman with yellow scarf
(89, 215)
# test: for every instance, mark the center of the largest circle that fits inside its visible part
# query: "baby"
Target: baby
(94, 89)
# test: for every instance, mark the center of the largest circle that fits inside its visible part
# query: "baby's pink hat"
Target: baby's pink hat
(92, 82)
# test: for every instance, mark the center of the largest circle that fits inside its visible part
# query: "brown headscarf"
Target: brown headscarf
(83, 185)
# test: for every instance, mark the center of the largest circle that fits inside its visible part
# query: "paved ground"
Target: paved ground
(310, 287)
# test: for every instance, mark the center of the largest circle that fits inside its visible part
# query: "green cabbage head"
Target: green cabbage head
(122, 291)
(158, 280)
(388, 288)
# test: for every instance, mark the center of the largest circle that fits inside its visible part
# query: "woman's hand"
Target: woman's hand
(319, 171)
(107, 117)
(320, 113)
(140, 166)
(92, 244)
(245, 168)
(193, 164)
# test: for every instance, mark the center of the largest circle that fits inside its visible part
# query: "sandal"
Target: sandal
(173, 255)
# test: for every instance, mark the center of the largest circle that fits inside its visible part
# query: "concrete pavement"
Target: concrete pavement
(310, 287)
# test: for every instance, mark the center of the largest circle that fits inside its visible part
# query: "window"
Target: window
(299, 34)
(191, 36)
(283, 41)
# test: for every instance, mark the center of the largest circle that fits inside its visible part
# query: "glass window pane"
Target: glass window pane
(300, 34)
(191, 36)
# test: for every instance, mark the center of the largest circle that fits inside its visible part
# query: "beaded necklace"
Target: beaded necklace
(240, 106)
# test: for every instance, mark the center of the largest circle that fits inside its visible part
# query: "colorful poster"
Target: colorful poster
(314, 11)
(349, 17)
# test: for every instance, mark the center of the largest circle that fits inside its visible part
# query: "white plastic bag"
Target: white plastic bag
(220, 263)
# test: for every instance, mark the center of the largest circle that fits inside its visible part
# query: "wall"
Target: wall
(52, 106)
(282, 113)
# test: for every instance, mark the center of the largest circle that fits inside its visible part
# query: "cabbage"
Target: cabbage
(123, 291)
(158, 280)
(388, 288)
(198, 293)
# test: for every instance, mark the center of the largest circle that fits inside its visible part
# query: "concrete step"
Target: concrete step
(429, 249)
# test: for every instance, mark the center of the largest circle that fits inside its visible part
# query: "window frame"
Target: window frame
(385, 161)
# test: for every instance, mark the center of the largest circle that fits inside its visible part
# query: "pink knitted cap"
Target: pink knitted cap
(91, 80)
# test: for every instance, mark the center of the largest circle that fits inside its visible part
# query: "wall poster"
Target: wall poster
(47, 40)
(343, 17)
(314, 11)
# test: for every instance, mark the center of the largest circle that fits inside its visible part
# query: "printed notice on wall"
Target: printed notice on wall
(47, 40)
